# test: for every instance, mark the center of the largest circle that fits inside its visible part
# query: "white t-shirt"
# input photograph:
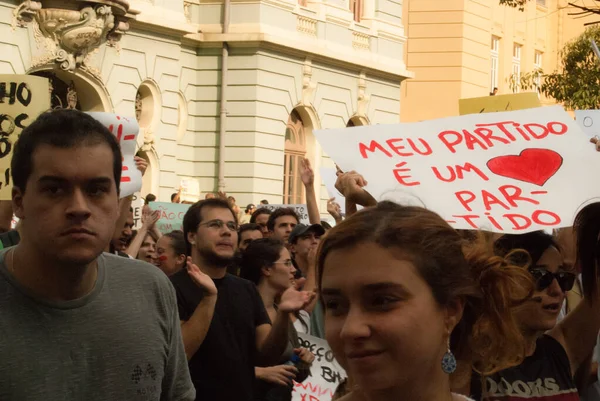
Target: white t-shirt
(304, 325)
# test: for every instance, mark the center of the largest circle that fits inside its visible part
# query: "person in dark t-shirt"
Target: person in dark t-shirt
(226, 330)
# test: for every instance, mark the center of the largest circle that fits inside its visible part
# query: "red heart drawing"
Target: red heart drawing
(535, 166)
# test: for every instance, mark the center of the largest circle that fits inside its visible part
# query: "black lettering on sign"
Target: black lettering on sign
(19, 120)
(7, 125)
(330, 376)
(14, 92)
(5, 147)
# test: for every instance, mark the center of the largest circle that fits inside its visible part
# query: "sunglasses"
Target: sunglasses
(544, 279)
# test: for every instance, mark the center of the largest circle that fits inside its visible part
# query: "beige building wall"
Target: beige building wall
(282, 56)
(450, 49)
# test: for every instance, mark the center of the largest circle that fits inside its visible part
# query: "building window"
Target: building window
(537, 66)
(356, 6)
(295, 150)
(495, 53)
(516, 65)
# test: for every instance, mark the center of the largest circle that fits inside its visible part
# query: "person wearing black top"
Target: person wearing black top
(226, 330)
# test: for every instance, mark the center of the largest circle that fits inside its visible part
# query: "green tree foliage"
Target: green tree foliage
(577, 83)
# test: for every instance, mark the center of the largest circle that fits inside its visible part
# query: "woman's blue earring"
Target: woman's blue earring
(449, 361)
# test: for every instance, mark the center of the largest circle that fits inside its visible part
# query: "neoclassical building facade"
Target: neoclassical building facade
(227, 92)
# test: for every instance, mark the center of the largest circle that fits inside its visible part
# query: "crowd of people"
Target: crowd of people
(413, 309)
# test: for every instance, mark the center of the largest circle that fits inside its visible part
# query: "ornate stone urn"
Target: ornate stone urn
(71, 30)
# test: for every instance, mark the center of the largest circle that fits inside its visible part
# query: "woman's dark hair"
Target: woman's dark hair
(534, 243)
(64, 129)
(487, 335)
(149, 198)
(587, 232)
(261, 253)
(177, 242)
(258, 212)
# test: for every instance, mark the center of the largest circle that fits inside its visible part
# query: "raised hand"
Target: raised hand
(201, 279)
(293, 300)
(306, 172)
(334, 209)
(141, 164)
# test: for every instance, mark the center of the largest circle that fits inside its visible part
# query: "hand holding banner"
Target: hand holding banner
(512, 172)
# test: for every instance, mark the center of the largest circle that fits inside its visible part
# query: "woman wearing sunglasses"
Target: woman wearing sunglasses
(554, 351)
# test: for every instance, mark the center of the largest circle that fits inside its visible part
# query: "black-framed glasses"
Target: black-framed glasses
(219, 224)
(544, 278)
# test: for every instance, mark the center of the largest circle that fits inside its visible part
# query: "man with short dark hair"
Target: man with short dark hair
(248, 233)
(261, 217)
(226, 330)
(109, 330)
(264, 202)
(281, 223)
(304, 239)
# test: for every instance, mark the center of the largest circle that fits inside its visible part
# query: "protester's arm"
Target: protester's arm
(334, 209)
(311, 279)
(308, 179)
(351, 185)
(195, 328)
(271, 341)
(136, 244)
(281, 375)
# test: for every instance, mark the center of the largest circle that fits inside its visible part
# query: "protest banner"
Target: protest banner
(511, 172)
(22, 99)
(171, 215)
(589, 122)
(190, 190)
(300, 209)
(126, 130)
(325, 373)
(137, 204)
(497, 103)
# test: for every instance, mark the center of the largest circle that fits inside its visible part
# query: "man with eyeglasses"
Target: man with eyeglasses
(226, 330)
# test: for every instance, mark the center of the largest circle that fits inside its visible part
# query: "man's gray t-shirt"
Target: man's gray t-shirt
(122, 341)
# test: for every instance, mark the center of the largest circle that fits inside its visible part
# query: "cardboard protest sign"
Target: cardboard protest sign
(126, 130)
(497, 103)
(22, 99)
(171, 215)
(190, 190)
(301, 210)
(325, 373)
(511, 172)
(137, 204)
(589, 122)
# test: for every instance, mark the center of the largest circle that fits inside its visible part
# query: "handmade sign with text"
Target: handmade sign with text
(190, 190)
(497, 103)
(137, 204)
(511, 172)
(325, 373)
(126, 130)
(22, 99)
(171, 215)
(301, 210)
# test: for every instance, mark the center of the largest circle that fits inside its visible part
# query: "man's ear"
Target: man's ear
(17, 203)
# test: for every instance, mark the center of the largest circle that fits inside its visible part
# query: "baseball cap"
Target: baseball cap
(302, 229)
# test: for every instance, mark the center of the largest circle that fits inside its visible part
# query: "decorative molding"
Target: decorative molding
(187, 10)
(71, 36)
(363, 98)
(361, 41)
(306, 25)
(308, 87)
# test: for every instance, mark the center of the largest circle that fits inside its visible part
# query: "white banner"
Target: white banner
(329, 177)
(589, 121)
(510, 172)
(301, 210)
(126, 130)
(325, 373)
